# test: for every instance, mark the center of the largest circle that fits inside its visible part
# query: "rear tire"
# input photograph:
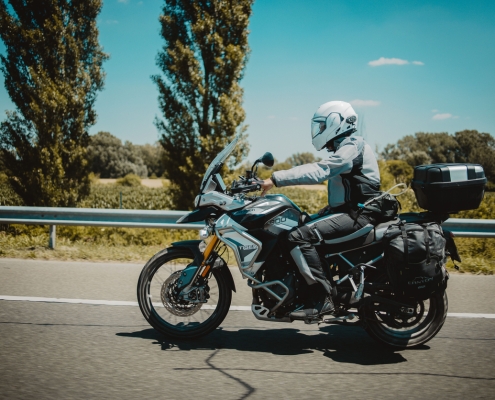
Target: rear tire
(380, 326)
(179, 319)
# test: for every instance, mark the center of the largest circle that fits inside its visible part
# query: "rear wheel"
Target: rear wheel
(171, 315)
(401, 331)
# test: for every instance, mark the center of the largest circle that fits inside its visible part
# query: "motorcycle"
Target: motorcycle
(185, 291)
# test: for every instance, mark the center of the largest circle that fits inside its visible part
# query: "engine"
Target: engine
(277, 268)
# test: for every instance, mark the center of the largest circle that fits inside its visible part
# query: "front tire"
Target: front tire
(416, 331)
(174, 318)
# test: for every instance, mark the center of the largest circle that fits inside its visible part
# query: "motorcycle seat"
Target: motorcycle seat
(362, 237)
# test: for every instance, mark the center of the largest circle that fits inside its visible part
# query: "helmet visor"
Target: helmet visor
(317, 127)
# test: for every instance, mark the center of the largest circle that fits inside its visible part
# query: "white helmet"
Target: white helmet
(331, 121)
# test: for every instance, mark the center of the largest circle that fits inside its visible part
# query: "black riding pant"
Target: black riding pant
(329, 227)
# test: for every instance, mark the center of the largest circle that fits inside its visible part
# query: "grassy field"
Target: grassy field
(138, 245)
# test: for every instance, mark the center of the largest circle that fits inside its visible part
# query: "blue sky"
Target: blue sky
(407, 66)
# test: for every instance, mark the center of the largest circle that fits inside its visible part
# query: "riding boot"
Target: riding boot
(324, 305)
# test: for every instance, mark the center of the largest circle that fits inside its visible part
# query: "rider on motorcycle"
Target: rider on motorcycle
(353, 177)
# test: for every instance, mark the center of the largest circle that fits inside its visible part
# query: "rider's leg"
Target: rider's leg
(300, 242)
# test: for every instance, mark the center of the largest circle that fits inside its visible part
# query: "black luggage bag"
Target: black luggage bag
(415, 259)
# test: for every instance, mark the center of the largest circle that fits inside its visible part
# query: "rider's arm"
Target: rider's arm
(338, 163)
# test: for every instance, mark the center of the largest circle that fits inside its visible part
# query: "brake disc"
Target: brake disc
(408, 321)
(172, 303)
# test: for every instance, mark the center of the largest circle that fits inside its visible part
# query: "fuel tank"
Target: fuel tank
(272, 213)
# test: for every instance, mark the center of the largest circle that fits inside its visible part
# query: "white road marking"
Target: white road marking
(470, 315)
(205, 307)
(103, 302)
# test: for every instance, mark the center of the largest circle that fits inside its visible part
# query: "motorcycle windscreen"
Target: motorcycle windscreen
(221, 157)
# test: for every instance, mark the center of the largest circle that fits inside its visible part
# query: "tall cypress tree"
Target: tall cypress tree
(52, 71)
(203, 59)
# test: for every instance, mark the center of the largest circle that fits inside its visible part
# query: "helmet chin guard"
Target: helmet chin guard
(332, 120)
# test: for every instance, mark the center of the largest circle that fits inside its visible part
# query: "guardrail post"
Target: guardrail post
(53, 236)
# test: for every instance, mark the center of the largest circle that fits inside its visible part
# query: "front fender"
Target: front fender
(197, 247)
(225, 271)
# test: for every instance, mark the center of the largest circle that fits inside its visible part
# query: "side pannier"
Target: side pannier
(415, 259)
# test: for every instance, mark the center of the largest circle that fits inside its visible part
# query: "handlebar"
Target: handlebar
(246, 185)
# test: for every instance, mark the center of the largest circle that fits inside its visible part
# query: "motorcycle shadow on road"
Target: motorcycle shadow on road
(341, 344)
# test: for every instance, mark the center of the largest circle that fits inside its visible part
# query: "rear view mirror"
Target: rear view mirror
(267, 159)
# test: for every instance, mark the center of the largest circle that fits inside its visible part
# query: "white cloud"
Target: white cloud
(111, 21)
(123, 1)
(439, 117)
(392, 61)
(434, 110)
(387, 61)
(271, 117)
(364, 103)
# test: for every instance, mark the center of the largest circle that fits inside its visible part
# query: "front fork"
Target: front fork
(192, 272)
(206, 264)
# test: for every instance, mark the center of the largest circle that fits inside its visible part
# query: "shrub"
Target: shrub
(129, 180)
(7, 195)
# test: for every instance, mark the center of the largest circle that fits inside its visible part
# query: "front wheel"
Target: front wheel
(399, 332)
(174, 317)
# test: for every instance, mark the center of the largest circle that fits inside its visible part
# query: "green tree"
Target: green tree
(400, 170)
(203, 59)
(302, 158)
(468, 146)
(152, 155)
(52, 71)
(423, 148)
(477, 148)
(109, 158)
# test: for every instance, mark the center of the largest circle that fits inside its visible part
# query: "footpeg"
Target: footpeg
(336, 320)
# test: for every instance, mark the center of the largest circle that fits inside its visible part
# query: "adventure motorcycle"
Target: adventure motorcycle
(185, 291)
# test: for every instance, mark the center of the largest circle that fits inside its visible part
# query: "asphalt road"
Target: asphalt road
(80, 351)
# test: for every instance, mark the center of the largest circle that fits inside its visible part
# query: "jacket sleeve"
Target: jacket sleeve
(340, 162)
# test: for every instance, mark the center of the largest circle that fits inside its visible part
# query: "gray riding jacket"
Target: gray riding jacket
(353, 152)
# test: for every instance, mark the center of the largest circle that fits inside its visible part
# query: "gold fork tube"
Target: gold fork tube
(209, 248)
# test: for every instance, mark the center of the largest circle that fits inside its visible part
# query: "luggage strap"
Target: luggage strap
(404, 240)
(406, 246)
(427, 245)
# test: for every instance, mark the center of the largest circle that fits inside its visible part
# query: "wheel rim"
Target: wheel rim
(168, 309)
(407, 328)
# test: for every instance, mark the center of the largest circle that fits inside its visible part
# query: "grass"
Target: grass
(138, 245)
(88, 243)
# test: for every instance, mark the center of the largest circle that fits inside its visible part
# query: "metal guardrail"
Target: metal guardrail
(164, 219)
(54, 216)
(94, 217)
(473, 228)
